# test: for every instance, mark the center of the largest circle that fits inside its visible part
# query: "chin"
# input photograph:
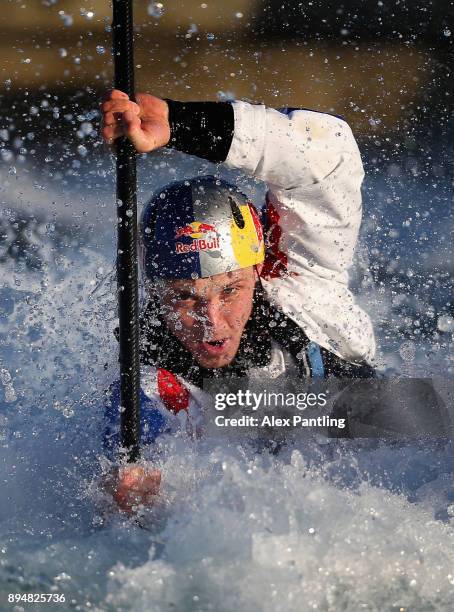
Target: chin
(213, 362)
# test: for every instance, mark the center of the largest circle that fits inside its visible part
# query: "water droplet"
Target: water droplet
(5, 376)
(62, 52)
(6, 380)
(67, 19)
(407, 351)
(6, 155)
(210, 36)
(226, 96)
(239, 15)
(100, 50)
(445, 323)
(447, 32)
(10, 394)
(156, 9)
(26, 61)
(86, 128)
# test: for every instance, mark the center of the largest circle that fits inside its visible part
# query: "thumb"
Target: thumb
(133, 130)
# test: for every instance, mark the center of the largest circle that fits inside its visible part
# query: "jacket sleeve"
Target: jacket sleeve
(313, 168)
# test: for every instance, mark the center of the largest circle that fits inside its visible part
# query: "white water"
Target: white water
(328, 526)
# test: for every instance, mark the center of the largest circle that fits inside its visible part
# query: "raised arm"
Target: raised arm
(308, 156)
(313, 168)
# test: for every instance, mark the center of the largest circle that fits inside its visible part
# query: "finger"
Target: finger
(142, 97)
(114, 94)
(127, 496)
(131, 474)
(155, 474)
(120, 106)
(111, 118)
(133, 130)
(151, 488)
(112, 132)
(149, 499)
(152, 480)
(124, 505)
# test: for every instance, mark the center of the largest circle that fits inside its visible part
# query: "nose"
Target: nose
(211, 311)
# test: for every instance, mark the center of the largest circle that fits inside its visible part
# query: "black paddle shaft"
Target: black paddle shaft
(128, 293)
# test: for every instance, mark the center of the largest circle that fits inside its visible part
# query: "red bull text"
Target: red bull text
(196, 230)
(199, 244)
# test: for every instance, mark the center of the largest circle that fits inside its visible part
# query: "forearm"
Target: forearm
(204, 129)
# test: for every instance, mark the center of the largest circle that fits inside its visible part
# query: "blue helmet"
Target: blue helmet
(198, 228)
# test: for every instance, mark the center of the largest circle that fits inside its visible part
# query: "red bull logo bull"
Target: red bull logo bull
(198, 232)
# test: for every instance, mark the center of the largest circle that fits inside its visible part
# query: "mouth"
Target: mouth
(214, 347)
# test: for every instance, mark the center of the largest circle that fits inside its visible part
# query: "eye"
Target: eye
(184, 297)
(230, 290)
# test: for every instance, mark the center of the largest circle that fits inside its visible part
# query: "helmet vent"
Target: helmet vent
(237, 214)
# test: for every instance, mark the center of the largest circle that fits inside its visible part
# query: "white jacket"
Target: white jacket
(313, 168)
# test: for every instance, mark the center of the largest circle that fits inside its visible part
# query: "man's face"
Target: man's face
(208, 315)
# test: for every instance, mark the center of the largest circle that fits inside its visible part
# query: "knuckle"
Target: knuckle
(107, 95)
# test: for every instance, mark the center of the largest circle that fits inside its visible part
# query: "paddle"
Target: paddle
(128, 295)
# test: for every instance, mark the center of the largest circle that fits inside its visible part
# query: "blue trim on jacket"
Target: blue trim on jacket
(316, 360)
(152, 422)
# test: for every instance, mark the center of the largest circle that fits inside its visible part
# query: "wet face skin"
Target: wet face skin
(208, 315)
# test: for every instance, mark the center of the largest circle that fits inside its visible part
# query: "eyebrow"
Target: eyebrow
(234, 282)
(179, 293)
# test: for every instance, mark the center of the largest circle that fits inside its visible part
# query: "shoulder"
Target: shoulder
(318, 124)
(259, 115)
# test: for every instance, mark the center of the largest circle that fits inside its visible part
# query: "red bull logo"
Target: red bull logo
(197, 231)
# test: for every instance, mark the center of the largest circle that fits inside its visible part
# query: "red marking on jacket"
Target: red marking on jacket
(275, 264)
(174, 395)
